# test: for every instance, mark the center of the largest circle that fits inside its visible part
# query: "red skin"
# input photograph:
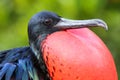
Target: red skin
(78, 54)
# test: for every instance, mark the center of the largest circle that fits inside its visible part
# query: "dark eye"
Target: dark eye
(48, 21)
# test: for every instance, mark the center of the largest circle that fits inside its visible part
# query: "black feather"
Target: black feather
(19, 72)
(3, 70)
(10, 71)
(20, 64)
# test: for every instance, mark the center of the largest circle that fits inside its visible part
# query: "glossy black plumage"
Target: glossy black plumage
(20, 64)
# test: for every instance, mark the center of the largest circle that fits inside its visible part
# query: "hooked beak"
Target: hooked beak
(73, 24)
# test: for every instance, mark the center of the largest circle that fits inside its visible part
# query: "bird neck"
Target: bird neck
(36, 48)
(36, 45)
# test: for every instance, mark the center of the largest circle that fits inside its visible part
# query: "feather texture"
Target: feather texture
(20, 64)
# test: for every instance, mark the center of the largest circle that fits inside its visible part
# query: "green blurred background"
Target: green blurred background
(15, 14)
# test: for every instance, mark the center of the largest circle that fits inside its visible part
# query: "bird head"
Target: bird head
(45, 23)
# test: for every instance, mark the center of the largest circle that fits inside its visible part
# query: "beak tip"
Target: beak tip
(105, 26)
(102, 24)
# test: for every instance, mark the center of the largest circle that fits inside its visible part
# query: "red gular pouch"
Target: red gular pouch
(78, 54)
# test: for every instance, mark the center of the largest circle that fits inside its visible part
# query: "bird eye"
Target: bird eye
(48, 21)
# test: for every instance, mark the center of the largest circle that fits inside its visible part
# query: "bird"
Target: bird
(36, 61)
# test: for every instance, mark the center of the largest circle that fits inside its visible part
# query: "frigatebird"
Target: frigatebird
(30, 63)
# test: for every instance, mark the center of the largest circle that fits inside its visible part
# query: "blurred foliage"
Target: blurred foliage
(15, 14)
